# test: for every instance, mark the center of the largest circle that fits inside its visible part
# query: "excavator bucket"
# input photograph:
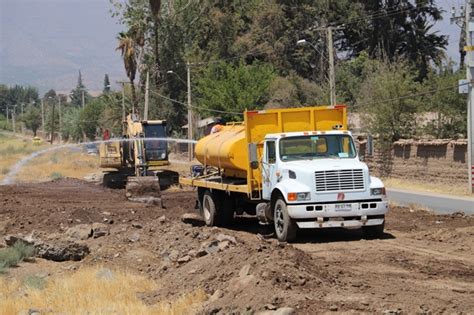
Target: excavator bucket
(144, 189)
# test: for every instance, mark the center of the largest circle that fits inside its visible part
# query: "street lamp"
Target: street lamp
(332, 75)
(190, 110)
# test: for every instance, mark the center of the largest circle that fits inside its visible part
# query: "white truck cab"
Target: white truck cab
(316, 180)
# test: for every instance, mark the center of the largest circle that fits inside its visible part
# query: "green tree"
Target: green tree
(448, 105)
(32, 118)
(128, 49)
(225, 87)
(79, 93)
(385, 102)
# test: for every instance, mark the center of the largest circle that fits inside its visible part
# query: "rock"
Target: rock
(173, 255)
(333, 308)
(137, 225)
(285, 311)
(99, 230)
(223, 237)
(210, 247)
(244, 271)
(134, 237)
(79, 232)
(201, 253)
(392, 312)
(10, 240)
(62, 251)
(270, 307)
(216, 295)
(105, 274)
(184, 259)
(223, 245)
(192, 253)
(162, 219)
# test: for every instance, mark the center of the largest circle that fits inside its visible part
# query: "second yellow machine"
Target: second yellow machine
(138, 160)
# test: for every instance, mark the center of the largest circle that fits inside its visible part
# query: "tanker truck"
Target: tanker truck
(294, 168)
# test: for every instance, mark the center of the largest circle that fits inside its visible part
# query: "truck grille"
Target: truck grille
(339, 180)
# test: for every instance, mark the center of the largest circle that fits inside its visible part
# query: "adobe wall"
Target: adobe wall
(443, 161)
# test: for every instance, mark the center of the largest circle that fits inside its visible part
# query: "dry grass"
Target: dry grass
(62, 163)
(13, 149)
(86, 292)
(408, 184)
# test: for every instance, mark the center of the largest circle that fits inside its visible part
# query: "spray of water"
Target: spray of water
(9, 178)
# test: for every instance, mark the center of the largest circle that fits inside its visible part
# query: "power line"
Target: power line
(192, 106)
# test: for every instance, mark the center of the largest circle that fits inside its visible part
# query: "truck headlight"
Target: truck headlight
(301, 196)
(377, 191)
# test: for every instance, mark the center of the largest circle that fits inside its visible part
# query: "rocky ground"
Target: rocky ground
(423, 264)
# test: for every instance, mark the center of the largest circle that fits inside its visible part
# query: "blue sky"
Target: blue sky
(46, 42)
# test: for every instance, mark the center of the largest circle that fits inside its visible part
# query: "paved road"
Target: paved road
(440, 204)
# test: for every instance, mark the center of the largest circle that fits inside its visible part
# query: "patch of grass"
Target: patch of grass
(12, 256)
(5, 170)
(56, 175)
(26, 251)
(35, 282)
(82, 292)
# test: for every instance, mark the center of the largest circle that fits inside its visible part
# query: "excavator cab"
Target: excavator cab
(156, 150)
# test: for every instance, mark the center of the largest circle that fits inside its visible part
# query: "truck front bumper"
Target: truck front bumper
(348, 214)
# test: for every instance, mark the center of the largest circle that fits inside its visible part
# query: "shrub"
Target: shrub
(11, 256)
(56, 175)
(35, 282)
(26, 251)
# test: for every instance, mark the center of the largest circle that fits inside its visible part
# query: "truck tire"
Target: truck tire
(209, 208)
(285, 227)
(373, 231)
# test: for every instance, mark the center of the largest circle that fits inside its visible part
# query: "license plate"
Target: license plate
(343, 207)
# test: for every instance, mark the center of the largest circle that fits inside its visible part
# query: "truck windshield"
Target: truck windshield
(316, 146)
(155, 150)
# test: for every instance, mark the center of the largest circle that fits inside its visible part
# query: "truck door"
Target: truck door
(268, 169)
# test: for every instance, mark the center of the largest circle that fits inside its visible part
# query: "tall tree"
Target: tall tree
(79, 94)
(128, 50)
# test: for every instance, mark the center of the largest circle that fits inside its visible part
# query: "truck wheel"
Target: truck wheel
(210, 205)
(373, 231)
(285, 227)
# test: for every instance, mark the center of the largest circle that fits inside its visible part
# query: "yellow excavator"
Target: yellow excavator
(138, 160)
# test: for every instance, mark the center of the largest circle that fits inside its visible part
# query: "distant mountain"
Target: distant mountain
(46, 42)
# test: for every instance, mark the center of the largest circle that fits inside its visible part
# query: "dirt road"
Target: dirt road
(424, 263)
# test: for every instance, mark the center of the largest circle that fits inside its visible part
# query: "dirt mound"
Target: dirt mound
(423, 264)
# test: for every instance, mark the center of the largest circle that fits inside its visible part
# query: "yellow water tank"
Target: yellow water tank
(225, 149)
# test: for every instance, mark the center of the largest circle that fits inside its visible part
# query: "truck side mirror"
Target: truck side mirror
(253, 159)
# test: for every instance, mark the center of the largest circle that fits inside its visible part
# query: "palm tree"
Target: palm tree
(155, 6)
(129, 55)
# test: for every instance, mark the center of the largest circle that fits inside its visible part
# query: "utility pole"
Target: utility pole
(42, 116)
(60, 132)
(13, 118)
(147, 88)
(190, 114)
(470, 100)
(332, 73)
(52, 125)
(123, 104)
(8, 121)
(21, 123)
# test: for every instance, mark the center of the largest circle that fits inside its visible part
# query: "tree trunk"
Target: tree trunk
(134, 96)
